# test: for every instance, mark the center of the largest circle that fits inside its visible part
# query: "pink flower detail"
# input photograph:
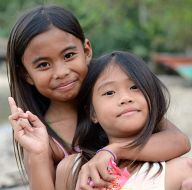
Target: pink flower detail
(122, 175)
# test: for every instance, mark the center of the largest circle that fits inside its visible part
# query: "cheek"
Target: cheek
(145, 113)
(40, 81)
(32, 75)
(104, 113)
(84, 73)
(144, 107)
(143, 103)
(83, 69)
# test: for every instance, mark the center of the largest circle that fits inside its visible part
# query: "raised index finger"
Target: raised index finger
(12, 105)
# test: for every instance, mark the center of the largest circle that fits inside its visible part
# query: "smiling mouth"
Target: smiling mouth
(66, 86)
(128, 113)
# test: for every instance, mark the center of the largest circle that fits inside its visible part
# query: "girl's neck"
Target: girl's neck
(59, 111)
(63, 119)
(124, 141)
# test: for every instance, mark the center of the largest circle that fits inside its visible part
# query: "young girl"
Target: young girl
(122, 101)
(47, 57)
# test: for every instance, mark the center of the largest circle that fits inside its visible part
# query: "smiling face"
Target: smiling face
(56, 64)
(119, 106)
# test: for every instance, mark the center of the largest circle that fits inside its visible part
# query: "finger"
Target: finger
(35, 121)
(14, 124)
(12, 105)
(96, 179)
(20, 110)
(14, 117)
(23, 125)
(87, 187)
(104, 173)
(83, 180)
(24, 116)
(17, 116)
(13, 121)
(18, 130)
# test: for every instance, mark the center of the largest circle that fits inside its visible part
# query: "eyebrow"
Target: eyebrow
(71, 47)
(104, 84)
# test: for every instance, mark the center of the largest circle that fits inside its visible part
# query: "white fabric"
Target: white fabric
(141, 180)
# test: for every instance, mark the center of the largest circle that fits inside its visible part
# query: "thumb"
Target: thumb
(35, 121)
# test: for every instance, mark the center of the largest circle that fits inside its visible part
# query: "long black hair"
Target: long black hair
(90, 136)
(29, 25)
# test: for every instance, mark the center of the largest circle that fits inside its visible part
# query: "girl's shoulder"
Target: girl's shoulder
(177, 170)
(67, 163)
(64, 172)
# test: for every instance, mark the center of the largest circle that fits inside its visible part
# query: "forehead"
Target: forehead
(112, 74)
(111, 71)
(46, 43)
(52, 35)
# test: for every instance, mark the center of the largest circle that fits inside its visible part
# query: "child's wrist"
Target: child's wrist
(115, 149)
(110, 152)
(118, 149)
(38, 156)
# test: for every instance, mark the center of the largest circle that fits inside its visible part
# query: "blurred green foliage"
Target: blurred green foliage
(140, 26)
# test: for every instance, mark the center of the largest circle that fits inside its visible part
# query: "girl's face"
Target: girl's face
(56, 64)
(119, 106)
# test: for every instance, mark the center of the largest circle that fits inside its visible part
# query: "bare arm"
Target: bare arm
(187, 184)
(64, 178)
(40, 171)
(35, 142)
(178, 174)
(167, 144)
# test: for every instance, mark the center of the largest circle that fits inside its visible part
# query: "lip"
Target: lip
(128, 112)
(65, 85)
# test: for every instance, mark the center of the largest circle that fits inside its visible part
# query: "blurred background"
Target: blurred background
(159, 31)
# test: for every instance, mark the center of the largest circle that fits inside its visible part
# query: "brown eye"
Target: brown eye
(109, 93)
(43, 65)
(134, 87)
(69, 55)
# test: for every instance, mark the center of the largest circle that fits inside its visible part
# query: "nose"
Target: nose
(125, 99)
(61, 70)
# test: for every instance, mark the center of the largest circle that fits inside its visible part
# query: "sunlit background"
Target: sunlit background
(157, 30)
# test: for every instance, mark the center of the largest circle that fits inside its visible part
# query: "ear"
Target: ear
(93, 117)
(88, 51)
(29, 79)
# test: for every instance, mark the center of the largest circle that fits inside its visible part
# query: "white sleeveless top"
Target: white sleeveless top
(141, 180)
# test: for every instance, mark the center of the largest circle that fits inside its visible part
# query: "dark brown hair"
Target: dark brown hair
(29, 25)
(90, 136)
